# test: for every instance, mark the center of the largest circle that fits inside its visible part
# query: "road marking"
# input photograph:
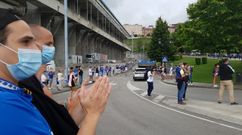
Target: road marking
(143, 94)
(130, 87)
(113, 83)
(171, 85)
(158, 98)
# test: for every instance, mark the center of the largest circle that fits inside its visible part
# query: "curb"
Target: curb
(194, 109)
(67, 89)
(188, 110)
(197, 86)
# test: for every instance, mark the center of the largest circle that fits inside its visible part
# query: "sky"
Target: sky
(146, 12)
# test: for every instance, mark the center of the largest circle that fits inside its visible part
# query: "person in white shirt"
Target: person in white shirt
(150, 82)
(90, 75)
(43, 80)
(60, 78)
(71, 80)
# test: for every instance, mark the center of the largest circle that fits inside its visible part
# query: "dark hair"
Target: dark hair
(71, 68)
(225, 60)
(3, 35)
(185, 64)
(215, 65)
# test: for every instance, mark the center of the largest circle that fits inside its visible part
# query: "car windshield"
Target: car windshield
(139, 69)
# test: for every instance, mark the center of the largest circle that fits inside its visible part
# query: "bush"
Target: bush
(176, 57)
(198, 61)
(204, 60)
(158, 64)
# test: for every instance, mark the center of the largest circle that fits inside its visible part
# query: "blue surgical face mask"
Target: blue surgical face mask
(29, 62)
(47, 54)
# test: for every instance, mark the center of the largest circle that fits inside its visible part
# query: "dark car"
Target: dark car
(140, 74)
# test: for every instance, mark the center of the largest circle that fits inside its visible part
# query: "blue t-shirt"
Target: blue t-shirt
(18, 116)
(51, 75)
(75, 72)
(178, 74)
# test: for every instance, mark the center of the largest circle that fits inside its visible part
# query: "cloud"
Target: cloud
(146, 12)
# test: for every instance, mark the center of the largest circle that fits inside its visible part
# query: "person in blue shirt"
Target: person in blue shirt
(51, 74)
(180, 83)
(20, 58)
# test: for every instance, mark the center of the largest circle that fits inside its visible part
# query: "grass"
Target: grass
(203, 73)
(138, 43)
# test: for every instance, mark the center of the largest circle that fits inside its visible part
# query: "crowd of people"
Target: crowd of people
(50, 79)
(94, 72)
(26, 106)
(222, 71)
(169, 72)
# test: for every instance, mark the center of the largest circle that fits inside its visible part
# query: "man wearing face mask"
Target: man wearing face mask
(17, 113)
(20, 58)
(61, 120)
(58, 117)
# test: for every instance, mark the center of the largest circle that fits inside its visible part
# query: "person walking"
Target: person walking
(51, 74)
(96, 73)
(80, 72)
(43, 79)
(60, 79)
(71, 80)
(215, 75)
(150, 81)
(90, 74)
(190, 69)
(186, 78)
(225, 73)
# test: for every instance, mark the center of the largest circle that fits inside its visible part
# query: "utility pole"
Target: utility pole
(132, 36)
(66, 37)
(143, 51)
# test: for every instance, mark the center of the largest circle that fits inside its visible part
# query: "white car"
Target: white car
(140, 74)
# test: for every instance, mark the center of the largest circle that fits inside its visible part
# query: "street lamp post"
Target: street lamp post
(143, 51)
(159, 42)
(132, 36)
(66, 37)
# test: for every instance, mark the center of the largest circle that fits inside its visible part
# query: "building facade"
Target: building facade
(135, 30)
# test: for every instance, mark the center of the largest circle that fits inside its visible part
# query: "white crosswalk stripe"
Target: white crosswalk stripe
(158, 98)
(143, 94)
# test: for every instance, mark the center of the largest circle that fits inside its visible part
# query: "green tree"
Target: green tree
(160, 42)
(213, 25)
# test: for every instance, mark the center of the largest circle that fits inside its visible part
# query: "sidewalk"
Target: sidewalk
(224, 112)
(200, 85)
(85, 76)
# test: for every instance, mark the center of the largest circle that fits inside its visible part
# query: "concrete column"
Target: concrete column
(59, 45)
(87, 16)
(80, 42)
(33, 16)
(72, 39)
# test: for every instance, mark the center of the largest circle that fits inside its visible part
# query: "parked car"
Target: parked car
(140, 74)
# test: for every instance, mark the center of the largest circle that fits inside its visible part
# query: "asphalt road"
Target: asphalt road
(128, 114)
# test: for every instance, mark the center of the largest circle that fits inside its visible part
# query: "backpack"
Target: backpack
(146, 74)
